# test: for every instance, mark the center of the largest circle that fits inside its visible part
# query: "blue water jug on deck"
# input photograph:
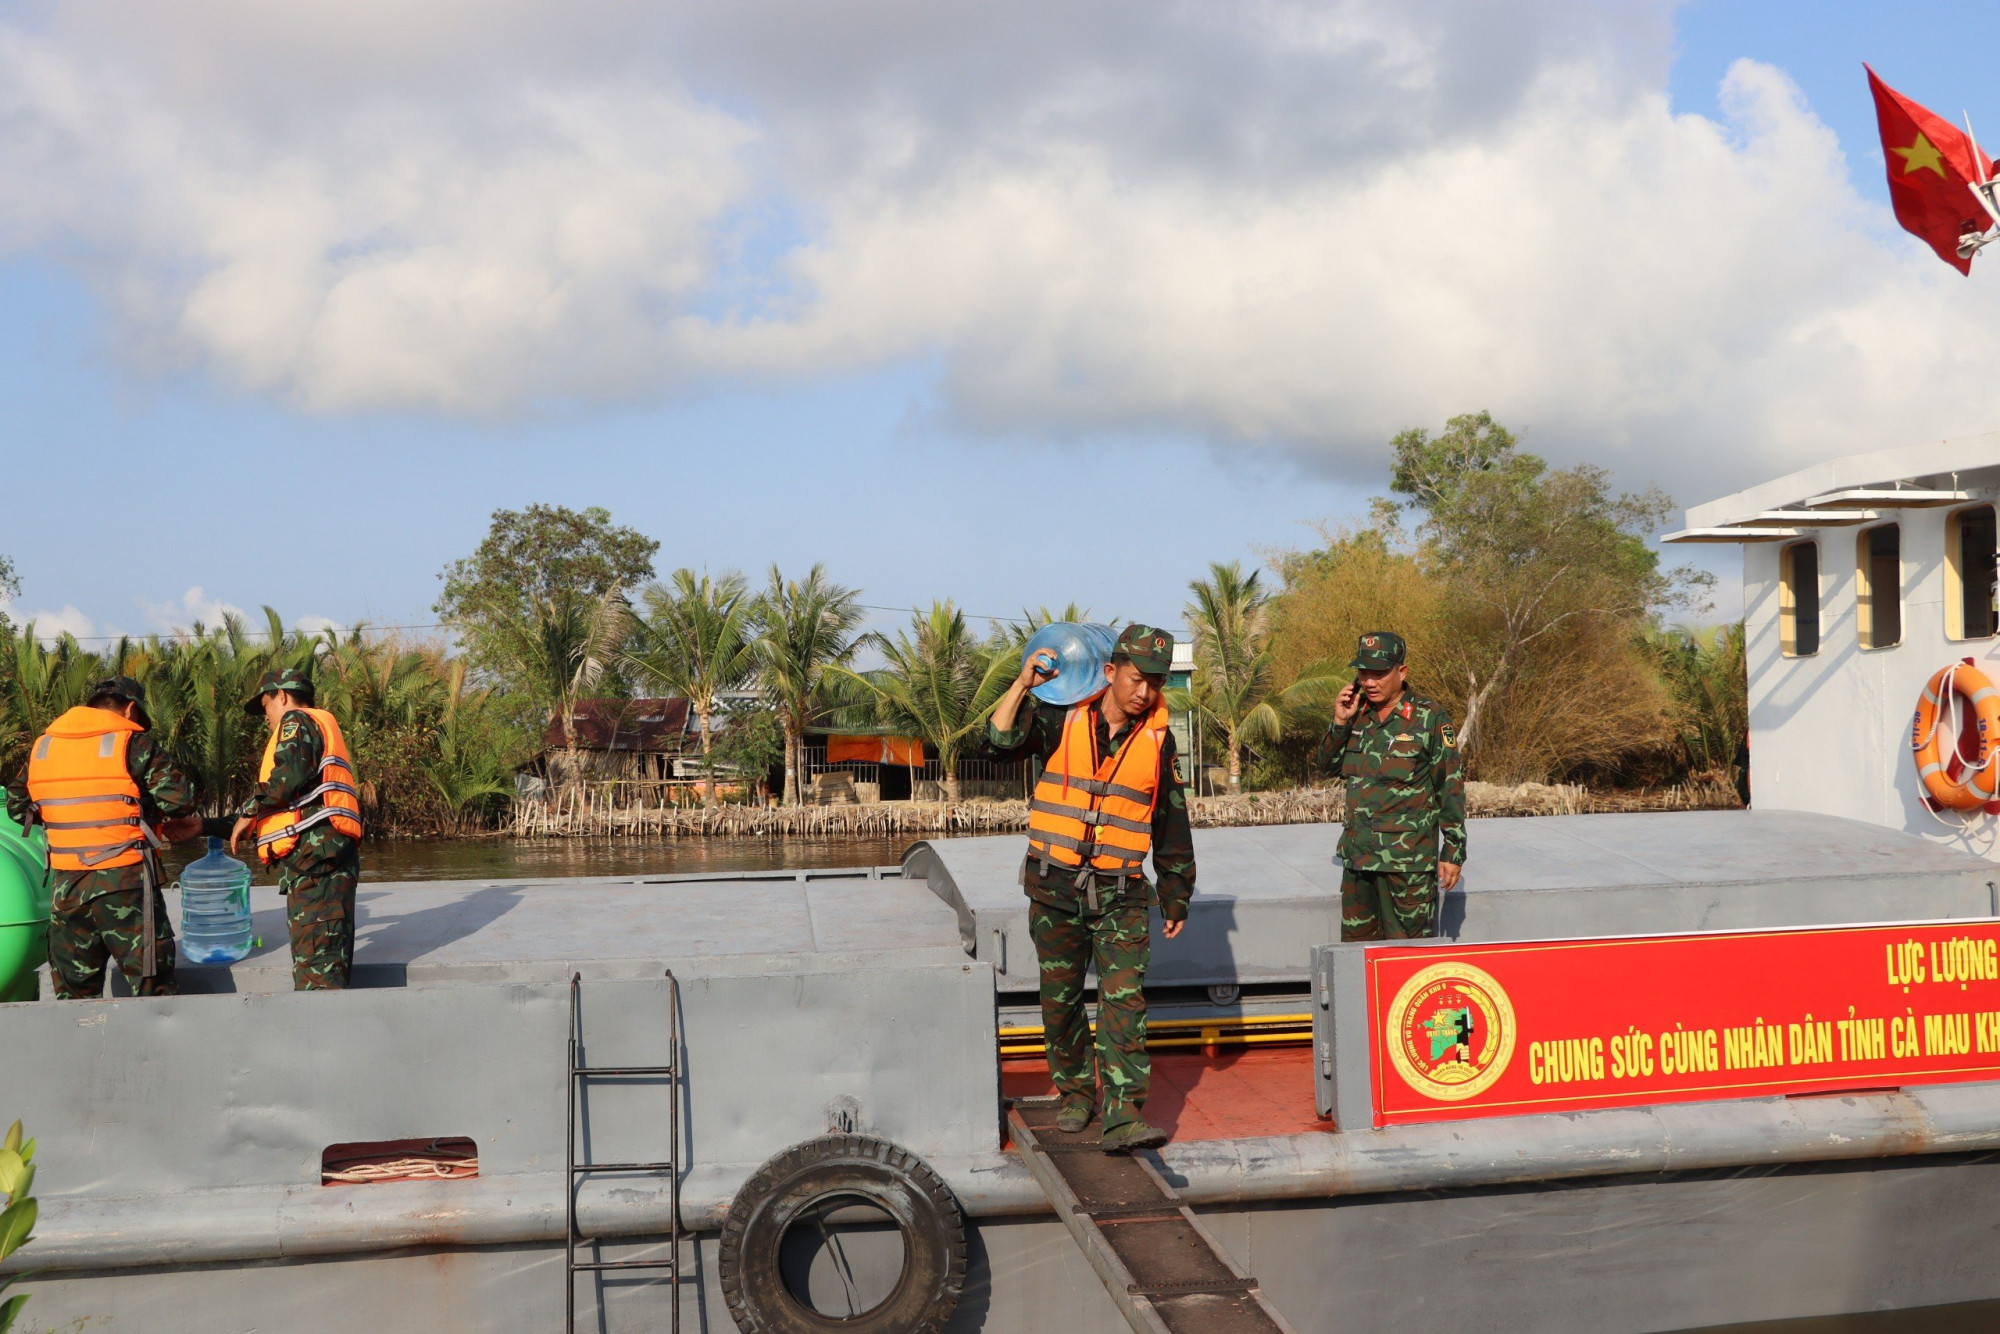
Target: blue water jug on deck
(215, 908)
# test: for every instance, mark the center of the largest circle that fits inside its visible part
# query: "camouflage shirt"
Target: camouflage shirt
(1036, 733)
(294, 772)
(166, 792)
(1405, 795)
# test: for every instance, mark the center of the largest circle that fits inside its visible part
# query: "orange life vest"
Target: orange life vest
(1097, 811)
(84, 795)
(336, 796)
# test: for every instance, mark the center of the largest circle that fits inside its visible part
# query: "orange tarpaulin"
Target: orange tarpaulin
(905, 750)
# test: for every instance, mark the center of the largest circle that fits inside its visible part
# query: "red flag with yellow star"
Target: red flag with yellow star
(1931, 171)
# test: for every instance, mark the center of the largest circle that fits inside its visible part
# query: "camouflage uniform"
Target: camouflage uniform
(96, 916)
(318, 877)
(1405, 810)
(1104, 921)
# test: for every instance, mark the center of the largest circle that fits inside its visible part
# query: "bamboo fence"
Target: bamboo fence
(596, 811)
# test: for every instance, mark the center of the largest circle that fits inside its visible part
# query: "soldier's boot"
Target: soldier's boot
(1133, 1135)
(1075, 1114)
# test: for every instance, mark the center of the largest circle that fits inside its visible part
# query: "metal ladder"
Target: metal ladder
(1159, 1264)
(574, 1084)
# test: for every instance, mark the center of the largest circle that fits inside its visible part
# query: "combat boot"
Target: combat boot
(1075, 1114)
(1132, 1135)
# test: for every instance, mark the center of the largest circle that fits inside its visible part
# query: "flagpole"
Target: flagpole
(1984, 190)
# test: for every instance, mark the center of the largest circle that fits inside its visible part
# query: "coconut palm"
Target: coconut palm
(802, 628)
(1234, 668)
(695, 641)
(940, 682)
(557, 648)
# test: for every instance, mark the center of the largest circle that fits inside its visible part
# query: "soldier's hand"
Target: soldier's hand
(181, 830)
(1348, 703)
(1039, 667)
(241, 827)
(1172, 929)
(1448, 876)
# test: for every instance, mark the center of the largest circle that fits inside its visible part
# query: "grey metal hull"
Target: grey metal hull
(182, 1138)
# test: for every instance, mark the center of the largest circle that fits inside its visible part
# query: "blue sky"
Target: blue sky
(911, 447)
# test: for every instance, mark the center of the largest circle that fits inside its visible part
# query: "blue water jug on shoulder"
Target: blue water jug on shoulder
(215, 908)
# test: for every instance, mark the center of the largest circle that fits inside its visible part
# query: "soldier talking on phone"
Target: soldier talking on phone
(1404, 836)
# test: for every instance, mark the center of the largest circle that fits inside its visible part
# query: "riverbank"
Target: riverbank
(587, 814)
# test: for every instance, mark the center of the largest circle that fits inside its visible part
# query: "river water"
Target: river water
(518, 859)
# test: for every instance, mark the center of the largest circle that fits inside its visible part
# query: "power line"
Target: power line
(189, 636)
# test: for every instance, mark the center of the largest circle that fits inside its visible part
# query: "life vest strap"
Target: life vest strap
(1085, 815)
(87, 801)
(321, 791)
(293, 830)
(103, 852)
(123, 822)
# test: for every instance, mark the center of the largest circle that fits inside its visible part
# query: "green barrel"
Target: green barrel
(24, 909)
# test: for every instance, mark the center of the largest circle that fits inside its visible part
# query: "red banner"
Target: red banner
(1567, 1025)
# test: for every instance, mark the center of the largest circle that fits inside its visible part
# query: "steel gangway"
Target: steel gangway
(1162, 1268)
(578, 1080)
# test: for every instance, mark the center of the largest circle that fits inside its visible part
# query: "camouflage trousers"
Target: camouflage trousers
(1118, 938)
(1388, 905)
(319, 907)
(84, 936)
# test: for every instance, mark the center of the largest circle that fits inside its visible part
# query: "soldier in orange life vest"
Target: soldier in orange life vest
(1110, 793)
(306, 818)
(108, 797)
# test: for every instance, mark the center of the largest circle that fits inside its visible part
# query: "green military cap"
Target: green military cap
(121, 688)
(1150, 649)
(1380, 650)
(292, 680)
(126, 691)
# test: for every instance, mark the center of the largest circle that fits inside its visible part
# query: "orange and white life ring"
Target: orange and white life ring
(1953, 779)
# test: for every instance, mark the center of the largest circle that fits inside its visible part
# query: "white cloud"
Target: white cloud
(52, 625)
(1276, 224)
(195, 607)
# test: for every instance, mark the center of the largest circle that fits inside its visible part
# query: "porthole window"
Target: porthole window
(1798, 599)
(1969, 574)
(1878, 586)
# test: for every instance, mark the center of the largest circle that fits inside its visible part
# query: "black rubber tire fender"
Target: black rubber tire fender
(893, 1179)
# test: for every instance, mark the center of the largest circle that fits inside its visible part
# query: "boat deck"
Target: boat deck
(1242, 1094)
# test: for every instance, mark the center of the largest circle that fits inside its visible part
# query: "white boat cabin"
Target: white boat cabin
(1862, 577)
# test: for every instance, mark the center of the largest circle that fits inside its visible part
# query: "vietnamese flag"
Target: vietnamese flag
(1931, 172)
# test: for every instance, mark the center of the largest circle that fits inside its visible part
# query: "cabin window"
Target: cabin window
(1879, 586)
(1969, 573)
(1798, 599)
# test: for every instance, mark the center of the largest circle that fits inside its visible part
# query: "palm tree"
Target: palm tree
(467, 772)
(1232, 687)
(41, 683)
(695, 641)
(555, 649)
(803, 627)
(940, 682)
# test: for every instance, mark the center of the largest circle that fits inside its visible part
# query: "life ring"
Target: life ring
(1976, 781)
(792, 1187)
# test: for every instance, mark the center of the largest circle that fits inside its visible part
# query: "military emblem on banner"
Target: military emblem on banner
(1451, 1032)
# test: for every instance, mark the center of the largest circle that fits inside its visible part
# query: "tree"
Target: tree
(803, 627)
(695, 641)
(556, 649)
(41, 684)
(17, 1219)
(1525, 551)
(533, 565)
(752, 741)
(10, 588)
(939, 682)
(1234, 684)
